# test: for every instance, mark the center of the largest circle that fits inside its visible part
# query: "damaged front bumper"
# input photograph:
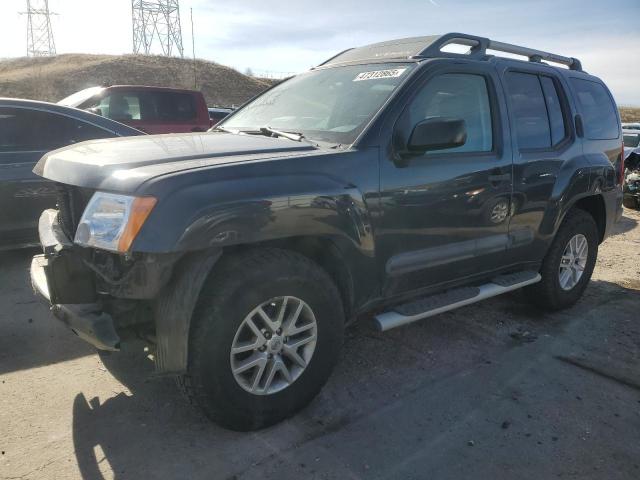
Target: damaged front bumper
(101, 296)
(62, 278)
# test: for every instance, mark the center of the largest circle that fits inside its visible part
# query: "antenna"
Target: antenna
(40, 41)
(193, 49)
(159, 19)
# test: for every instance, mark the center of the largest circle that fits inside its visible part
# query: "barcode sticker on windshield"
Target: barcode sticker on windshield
(377, 74)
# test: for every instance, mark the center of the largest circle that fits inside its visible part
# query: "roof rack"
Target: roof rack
(480, 45)
(431, 47)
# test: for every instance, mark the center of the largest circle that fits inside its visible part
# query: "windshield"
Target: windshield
(332, 105)
(80, 97)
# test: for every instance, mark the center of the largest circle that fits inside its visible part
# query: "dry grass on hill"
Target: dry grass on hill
(53, 78)
(630, 114)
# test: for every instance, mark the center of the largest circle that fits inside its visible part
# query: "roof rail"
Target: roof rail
(431, 47)
(480, 45)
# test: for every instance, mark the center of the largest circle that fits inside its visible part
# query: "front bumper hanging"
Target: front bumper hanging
(61, 277)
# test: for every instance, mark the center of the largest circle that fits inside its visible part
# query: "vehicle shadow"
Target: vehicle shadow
(410, 398)
(626, 223)
(29, 335)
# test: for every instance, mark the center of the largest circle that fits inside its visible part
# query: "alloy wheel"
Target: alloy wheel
(573, 261)
(273, 345)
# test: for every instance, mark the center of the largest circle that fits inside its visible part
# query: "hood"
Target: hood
(123, 164)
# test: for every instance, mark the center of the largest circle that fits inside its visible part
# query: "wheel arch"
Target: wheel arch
(175, 304)
(594, 205)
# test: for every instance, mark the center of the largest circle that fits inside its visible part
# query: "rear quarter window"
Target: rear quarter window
(173, 106)
(598, 111)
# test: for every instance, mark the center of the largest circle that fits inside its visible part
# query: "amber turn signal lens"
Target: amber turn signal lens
(140, 210)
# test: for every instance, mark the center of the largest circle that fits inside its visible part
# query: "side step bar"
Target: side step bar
(452, 299)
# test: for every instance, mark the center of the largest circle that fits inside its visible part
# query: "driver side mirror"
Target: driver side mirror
(437, 133)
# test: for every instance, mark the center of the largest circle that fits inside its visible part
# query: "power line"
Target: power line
(156, 20)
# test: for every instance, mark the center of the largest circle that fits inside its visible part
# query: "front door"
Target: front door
(445, 214)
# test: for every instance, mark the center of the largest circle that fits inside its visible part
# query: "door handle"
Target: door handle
(503, 177)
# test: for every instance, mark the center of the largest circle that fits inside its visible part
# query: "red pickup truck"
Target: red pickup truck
(150, 109)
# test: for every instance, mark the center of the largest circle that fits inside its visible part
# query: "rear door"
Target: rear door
(25, 135)
(544, 143)
(445, 214)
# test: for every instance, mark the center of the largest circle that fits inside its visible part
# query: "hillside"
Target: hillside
(53, 78)
(629, 114)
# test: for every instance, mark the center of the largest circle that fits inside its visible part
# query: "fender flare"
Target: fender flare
(174, 308)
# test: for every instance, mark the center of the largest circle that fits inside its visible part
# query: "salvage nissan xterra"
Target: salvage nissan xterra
(398, 179)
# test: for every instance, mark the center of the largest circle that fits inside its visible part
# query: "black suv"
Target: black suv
(396, 178)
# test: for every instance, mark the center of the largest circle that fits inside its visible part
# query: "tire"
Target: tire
(548, 294)
(238, 285)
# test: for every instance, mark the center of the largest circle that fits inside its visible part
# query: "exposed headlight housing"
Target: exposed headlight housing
(111, 221)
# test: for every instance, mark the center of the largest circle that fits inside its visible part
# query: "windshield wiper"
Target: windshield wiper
(296, 137)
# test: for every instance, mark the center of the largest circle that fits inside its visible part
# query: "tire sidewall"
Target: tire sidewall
(235, 406)
(582, 224)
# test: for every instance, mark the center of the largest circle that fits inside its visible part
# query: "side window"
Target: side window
(64, 131)
(598, 112)
(554, 109)
(33, 130)
(529, 110)
(17, 130)
(172, 106)
(457, 95)
(120, 107)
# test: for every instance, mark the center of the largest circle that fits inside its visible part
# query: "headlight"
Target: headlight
(111, 221)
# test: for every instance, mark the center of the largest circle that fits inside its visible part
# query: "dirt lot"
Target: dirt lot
(495, 390)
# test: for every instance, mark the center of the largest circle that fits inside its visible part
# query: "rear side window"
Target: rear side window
(24, 129)
(598, 111)
(172, 106)
(536, 110)
(554, 110)
(462, 96)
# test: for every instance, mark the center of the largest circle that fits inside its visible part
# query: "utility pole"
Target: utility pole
(156, 20)
(40, 42)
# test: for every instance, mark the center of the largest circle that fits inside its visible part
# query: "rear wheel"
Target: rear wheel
(265, 336)
(568, 265)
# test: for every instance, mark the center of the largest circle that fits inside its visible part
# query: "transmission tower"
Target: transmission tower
(40, 41)
(156, 19)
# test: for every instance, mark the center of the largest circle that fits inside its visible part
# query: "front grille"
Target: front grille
(71, 202)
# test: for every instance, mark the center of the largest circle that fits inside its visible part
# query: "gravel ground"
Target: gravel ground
(493, 390)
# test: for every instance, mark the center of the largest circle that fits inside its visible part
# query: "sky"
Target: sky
(286, 36)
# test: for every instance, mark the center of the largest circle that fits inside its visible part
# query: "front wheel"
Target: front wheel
(568, 265)
(265, 336)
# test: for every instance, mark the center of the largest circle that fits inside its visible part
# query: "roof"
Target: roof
(416, 48)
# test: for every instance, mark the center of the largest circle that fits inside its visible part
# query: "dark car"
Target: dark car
(150, 109)
(29, 129)
(394, 180)
(216, 114)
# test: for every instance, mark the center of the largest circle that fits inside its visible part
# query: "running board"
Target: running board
(452, 299)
